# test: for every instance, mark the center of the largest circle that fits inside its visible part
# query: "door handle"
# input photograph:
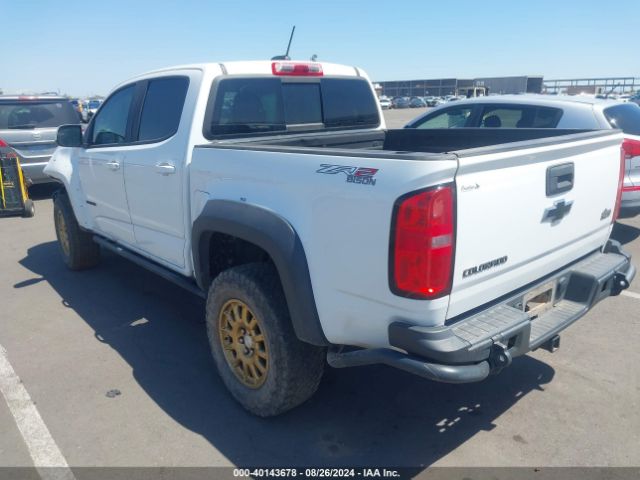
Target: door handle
(165, 168)
(560, 178)
(113, 165)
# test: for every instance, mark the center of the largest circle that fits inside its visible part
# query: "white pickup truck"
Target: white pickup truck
(274, 189)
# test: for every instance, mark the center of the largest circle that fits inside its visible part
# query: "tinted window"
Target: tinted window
(348, 103)
(302, 103)
(110, 124)
(626, 117)
(36, 114)
(450, 118)
(162, 108)
(520, 116)
(254, 105)
(248, 105)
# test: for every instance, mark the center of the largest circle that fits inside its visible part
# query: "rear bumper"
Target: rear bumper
(485, 341)
(34, 172)
(630, 199)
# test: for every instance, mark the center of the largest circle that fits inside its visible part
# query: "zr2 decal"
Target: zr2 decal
(362, 175)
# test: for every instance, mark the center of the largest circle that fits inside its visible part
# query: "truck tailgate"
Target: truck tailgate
(523, 213)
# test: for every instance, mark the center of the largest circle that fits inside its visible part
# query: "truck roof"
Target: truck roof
(27, 97)
(256, 67)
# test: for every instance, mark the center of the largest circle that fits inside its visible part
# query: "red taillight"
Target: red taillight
(297, 69)
(3, 143)
(422, 240)
(630, 148)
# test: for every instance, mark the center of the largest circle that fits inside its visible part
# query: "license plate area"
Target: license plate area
(539, 300)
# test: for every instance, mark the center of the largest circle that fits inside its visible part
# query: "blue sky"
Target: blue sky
(84, 47)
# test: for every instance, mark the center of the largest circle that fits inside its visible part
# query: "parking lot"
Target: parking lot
(116, 361)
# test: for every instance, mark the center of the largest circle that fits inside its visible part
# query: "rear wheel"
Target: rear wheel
(258, 356)
(77, 247)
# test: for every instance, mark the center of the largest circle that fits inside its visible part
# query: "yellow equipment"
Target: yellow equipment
(14, 196)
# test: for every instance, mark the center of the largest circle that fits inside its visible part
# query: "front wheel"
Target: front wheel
(77, 247)
(258, 356)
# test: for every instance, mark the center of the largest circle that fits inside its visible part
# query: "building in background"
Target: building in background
(577, 86)
(512, 85)
(453, 86)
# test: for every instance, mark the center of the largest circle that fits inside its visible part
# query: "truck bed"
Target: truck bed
(501, 209)
(408, 141)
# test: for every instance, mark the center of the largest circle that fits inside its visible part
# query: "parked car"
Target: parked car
(446, 265)
(92, 108)
(78, 107)
(431, 101)
(29, 124)
(538, 111)
(401, 102)
(417, 102)
(385, 103)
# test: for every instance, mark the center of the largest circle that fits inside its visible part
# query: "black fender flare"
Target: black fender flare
(278, 238)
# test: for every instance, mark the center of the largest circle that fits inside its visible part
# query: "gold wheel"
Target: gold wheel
(243, 343)
(63, 235)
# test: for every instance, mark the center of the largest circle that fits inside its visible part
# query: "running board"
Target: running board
(180, 280)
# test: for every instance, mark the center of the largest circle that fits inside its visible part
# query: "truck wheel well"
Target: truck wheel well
(229, 233)
(226, 251)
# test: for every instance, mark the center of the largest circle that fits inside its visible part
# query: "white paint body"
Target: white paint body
(344, 227)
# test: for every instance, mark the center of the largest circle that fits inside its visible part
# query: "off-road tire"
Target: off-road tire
(295, 367)
(82, 251)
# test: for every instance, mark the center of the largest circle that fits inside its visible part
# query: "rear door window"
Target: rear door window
(28, 114)
(455, 117)
(626, 117)
(519, 116)
(162, 108)
(263, 105)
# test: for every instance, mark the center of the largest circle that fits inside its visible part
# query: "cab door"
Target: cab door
(155, 166)
(101, 166)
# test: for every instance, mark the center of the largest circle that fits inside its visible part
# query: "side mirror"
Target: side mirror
(69, 136)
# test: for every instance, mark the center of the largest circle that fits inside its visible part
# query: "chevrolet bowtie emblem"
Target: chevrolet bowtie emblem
(556, 213)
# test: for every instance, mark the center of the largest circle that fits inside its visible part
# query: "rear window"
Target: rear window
(302, 103)
(626, 117)
(263, 105)
(162, 108)
(456, 117)
(348, 103)
(27, 114)
(520, 116)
